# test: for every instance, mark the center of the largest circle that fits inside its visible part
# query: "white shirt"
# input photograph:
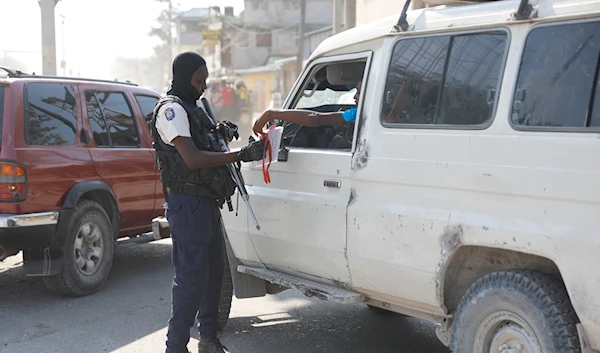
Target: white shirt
(172, 121)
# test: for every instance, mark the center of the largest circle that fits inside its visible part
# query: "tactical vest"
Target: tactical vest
(215, 183)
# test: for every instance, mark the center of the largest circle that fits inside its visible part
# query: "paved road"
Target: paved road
(130, 313)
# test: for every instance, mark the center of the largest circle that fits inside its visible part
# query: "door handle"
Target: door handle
(332, 183)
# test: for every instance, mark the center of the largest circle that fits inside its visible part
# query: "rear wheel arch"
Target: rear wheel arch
(99, 192)
(516, 310)
(470, 263)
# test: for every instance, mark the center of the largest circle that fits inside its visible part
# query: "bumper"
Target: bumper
(35, 230)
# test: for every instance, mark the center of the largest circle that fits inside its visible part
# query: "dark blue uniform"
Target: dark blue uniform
(194, 197)
(197, 237)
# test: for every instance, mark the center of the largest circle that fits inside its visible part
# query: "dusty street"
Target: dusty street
(130, 313)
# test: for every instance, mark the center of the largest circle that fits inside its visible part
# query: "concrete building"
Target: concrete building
(268, 30)
(200, 30)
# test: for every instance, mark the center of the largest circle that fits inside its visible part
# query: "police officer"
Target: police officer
(196, 183)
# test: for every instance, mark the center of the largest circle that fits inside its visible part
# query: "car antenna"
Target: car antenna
(402, 24)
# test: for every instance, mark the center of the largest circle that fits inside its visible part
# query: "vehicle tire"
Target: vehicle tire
(88, 252)
(226, 293)
(508, 309)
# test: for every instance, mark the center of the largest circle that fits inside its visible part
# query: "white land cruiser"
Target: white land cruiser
(470, 193)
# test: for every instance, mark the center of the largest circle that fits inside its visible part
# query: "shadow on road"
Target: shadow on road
(337, 328)
(131, 311)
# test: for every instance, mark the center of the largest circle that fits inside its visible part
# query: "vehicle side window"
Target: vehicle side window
(111, 119)
(94, 114)
(595, 118)
(147, 104)
(444, 80)
(557, 81)
(50, 114)
(329, 87)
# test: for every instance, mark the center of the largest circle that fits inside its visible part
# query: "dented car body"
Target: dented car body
(474, 153)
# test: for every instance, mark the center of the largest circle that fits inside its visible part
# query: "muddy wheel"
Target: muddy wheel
(515, 312)
(88, 252)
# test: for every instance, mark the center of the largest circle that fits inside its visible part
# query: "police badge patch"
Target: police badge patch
(169, 113)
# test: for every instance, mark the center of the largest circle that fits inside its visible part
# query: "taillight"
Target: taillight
(13, 182)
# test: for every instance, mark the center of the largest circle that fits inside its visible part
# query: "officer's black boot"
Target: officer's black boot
(211, 345)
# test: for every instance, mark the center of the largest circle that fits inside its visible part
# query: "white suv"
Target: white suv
(470, 196)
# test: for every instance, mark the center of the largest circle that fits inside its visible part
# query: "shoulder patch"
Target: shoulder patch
(170, 113)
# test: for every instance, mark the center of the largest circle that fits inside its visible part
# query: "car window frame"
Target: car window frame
(132, 111)
(302, 81)
(26, 115)
(489, 122)
(557, 129)
(148, 121)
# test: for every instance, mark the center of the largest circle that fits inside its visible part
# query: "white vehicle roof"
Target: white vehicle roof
(456, 17)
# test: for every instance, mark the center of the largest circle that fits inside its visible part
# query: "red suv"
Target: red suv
(76, 173)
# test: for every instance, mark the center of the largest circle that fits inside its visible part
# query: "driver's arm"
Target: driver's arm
(301, 117)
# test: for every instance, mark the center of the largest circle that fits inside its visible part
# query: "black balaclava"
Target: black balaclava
(184, 66)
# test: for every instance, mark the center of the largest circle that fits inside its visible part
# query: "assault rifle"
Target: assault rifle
(234, 169)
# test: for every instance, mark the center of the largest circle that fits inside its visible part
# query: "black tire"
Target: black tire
(226, 293)
(527, 303)
(79, 277)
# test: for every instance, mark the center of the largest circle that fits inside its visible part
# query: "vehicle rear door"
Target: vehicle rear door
(146, 103)
(120, 156)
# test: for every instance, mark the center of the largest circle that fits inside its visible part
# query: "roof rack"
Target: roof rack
(525, 11)
(11, 71)
(129, 83)
(402, 24)
(17, 73)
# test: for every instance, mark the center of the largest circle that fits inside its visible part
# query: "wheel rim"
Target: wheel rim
(506, 332)
(88, 248)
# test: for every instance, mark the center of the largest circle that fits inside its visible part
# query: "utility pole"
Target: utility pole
(337, 16)
(48, 37)
(349, 14)
(169, 31)
(63, 63)
(300, 57)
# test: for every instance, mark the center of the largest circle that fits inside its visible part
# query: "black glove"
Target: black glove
(228, 130)
(253, 152)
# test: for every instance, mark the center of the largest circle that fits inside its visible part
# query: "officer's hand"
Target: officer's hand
(228, 130)
(253, 152)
